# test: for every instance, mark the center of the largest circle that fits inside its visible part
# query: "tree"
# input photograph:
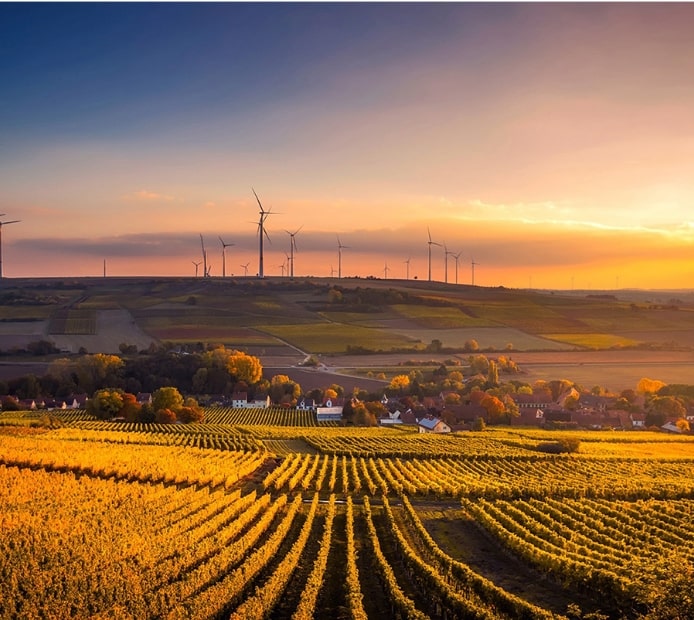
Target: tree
(399, 384)
(471, 345)
(479, 424)
(244, 367)
(492, 374)
(165, 416)
(479, 364)
(435, 346)
(106, 403)
(284, 390)
(494, 407)
(190, 412)
(98, 371)
(649, 386)
(452, 398)
(167, 398)
(131, 408)
(9, 403)
(361, 416)
(660, 408)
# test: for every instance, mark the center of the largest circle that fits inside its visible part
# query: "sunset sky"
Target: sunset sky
(551, 143)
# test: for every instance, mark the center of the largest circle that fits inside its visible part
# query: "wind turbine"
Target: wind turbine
(446, 253)
(196, 267)
(385, 271)
(261, 233)
(292, 248)
(473, 271)
(340, 247)
(430, 243)
(245, 269)
(224, 256)
(332, 271)
(457, 257)
(205, 270)
(407, 262)
(1, 225)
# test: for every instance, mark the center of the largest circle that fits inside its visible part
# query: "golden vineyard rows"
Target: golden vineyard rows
(141, 523)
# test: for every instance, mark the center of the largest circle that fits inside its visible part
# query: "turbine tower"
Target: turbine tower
(196, 267)
(446, 254)
(262, 233)
(1, 225)
(430, 243)
(205, 269)
(457, 257)
(473, 271)
(340, 247)
(385, 271)
(224, 256)
(292, 249)
(245, 269)
(407, 262)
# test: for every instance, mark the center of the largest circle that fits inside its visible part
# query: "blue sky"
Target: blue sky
(550, 142)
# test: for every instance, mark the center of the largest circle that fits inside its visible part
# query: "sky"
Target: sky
(550, 143)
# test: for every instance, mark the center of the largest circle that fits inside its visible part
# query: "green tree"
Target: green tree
(98, 371)
(284, 390)
(106, 403)
(167, 398)
(662, 407)
(361, 416)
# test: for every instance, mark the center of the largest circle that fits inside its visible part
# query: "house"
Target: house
(529, 417)
(330, 410)
(259, 403)
(306, 404)
(638, 420)
(671, 427)
(391, 417)
(239, 399)
(54, 403)
(77, 401)
(144, 398)
(433, 425)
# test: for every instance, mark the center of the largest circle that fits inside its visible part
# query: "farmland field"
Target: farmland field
(377, 316)
(246, 521)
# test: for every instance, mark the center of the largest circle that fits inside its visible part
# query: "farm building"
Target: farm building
(433, 425)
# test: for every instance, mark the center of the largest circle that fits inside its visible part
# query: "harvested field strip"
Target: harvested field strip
(593, 341)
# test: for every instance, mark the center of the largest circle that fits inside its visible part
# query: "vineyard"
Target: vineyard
(242, 518)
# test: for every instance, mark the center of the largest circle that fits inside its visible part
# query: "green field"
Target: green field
(337, 337)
